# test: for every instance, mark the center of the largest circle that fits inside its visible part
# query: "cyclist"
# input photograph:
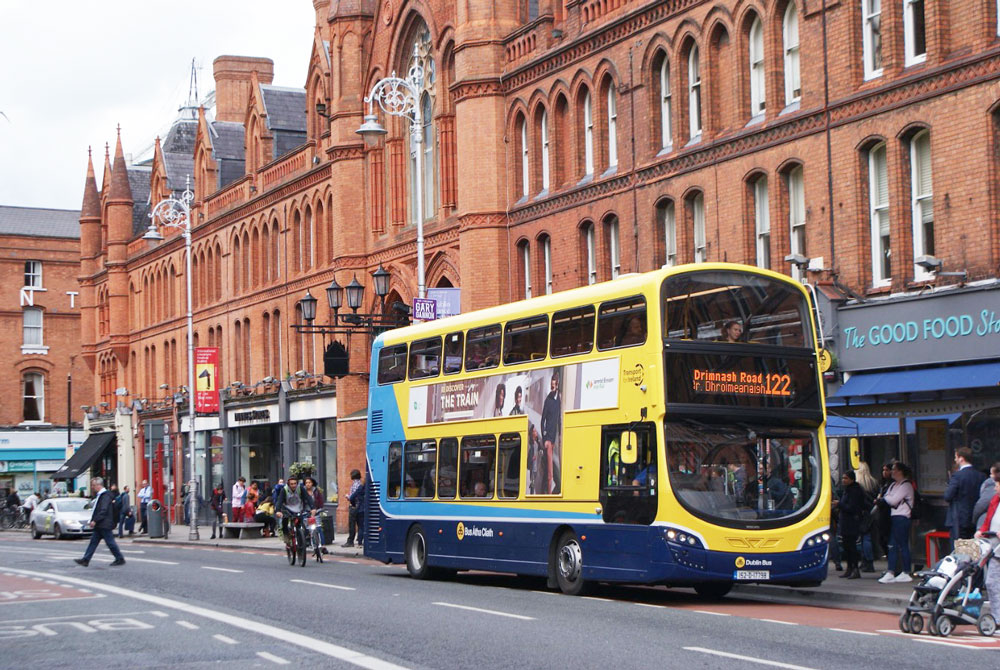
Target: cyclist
(13, 500)
(29, 504)
(292, 501)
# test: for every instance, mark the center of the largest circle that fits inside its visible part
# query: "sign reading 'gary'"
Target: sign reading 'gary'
(934, 329)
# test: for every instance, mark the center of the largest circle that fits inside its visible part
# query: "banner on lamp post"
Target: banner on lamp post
(206, 373)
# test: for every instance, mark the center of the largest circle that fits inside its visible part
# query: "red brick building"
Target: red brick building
(39, 344)
(565, 143)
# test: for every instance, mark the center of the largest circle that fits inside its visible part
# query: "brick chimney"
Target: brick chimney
(232, 84)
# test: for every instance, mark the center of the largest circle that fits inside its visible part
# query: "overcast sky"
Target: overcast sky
(72, 70)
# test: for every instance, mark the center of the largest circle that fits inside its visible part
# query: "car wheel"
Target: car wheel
(35, 533)
(57, 532)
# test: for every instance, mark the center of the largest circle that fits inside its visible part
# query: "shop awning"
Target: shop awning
(842, 426)
(979, 375)
(85, 456)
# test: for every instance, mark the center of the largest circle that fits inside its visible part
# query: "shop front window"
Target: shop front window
(258, 450)
(305, 442)
(330, 459)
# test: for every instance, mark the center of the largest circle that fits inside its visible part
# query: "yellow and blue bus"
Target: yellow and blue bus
(660, 428)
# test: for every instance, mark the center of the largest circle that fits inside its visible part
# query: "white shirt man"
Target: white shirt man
(30, 502)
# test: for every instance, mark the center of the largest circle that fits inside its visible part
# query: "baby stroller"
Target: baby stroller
(949, 595)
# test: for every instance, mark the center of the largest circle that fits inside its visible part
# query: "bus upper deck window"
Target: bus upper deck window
(425, 358)
(392, 364)
(453, 353)
(622, 323)
(483, 350)
(572, 331)
(525, 340)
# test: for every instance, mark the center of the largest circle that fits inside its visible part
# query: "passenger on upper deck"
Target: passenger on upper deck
(633, 332)
(732, 331)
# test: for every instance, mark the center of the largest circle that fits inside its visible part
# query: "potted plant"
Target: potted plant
(302, 469)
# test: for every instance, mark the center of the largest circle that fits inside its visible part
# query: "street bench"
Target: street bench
(238, 530)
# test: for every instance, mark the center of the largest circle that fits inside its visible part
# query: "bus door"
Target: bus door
(629, 483)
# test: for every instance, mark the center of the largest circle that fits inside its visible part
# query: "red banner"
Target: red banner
(206, 372)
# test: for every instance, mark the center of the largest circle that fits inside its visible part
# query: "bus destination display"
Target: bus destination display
(742, 382)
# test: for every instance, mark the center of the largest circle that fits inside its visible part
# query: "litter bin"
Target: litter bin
(327, 522)
(154, 519)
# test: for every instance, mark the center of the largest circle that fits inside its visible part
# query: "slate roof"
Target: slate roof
(228, 138)
(39, 222)
(179, 167)
(285, 107)
(180, 138)
(138, 181)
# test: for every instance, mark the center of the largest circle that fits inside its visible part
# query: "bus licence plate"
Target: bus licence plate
(753, 574)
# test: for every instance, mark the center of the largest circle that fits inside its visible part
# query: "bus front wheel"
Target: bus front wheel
(569, 565)
(416, 553)
(713, 590)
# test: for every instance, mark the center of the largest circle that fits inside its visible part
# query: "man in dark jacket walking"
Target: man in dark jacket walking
(103, 522)
(961, 495)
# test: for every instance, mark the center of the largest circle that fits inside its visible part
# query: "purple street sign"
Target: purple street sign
(424, 309)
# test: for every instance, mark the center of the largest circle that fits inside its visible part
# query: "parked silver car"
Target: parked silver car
(62, 517)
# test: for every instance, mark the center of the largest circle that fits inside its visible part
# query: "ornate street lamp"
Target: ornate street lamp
(401, 97)
(176, 213)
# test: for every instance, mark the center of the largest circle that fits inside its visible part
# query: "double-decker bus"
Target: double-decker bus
(660, 428)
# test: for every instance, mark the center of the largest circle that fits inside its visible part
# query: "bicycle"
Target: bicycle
(295, 546)
(13, 517)
(313, 524)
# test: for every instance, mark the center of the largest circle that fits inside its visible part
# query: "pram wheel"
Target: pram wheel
(916, 623)
(987, 625)
(945, 625)
(904, 622)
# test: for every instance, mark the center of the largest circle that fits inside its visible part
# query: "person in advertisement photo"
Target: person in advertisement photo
(551, 434)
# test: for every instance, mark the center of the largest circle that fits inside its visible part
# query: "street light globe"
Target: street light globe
(371, 130)
(152, 234)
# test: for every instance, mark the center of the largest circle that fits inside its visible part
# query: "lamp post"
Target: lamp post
(354, 321)
(176, 213)
(401, 97)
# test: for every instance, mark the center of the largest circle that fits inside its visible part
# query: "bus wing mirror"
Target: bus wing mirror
(855, 453)
(630, 454)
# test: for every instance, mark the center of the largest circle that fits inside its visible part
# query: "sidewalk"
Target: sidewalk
(856, 594)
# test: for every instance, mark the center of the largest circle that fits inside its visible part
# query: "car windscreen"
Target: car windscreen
(72, 505)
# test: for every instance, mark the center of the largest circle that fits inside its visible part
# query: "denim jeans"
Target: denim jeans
(866, 547)
(899, 545)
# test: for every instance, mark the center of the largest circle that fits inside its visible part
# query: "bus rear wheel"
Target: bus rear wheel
(416, 553)
(713, 590)
(569, 565)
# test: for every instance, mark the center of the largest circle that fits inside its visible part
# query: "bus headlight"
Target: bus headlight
(818, 540)
(681, 537)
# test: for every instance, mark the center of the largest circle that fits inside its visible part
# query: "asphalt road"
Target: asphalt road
(181, 607)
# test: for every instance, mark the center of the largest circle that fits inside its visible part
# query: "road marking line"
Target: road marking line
(603, 600)
(786, 623)
(485, 611)
(133, 551)
(748, 659)
(274, 659)
(223, 638)
(159, 613)
(650, 605)
(722, 614)
(856, 632)
(187, 624)
(69, 616)
(209, 567)
(282, 635)
(329, 586)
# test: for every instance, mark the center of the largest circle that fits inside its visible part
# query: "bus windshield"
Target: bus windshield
(735, 307)
(743, 476)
